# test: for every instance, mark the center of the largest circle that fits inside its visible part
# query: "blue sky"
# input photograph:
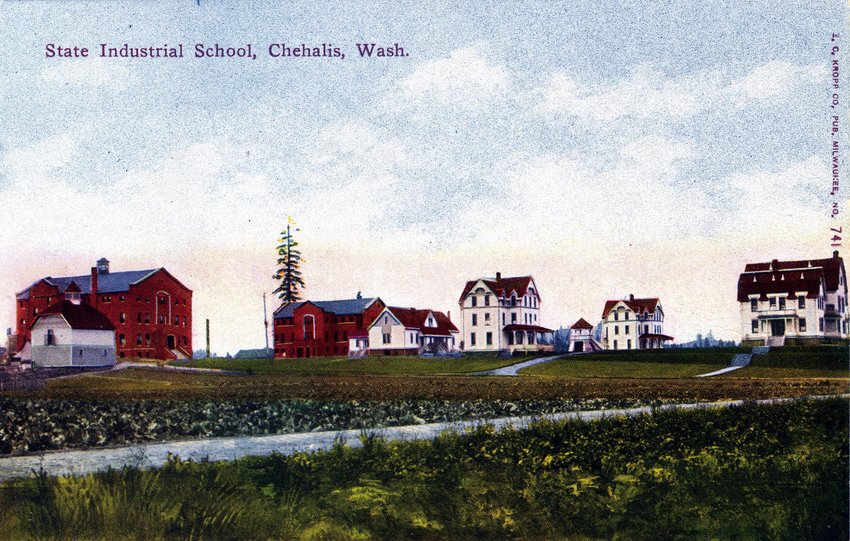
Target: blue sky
(605, 148)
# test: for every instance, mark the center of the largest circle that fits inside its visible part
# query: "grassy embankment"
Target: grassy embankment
(786, 362)
(753, 472)
(409, 365)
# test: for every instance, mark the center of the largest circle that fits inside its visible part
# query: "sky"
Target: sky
(605, 148)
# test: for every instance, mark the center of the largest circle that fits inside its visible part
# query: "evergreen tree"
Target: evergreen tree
(289, 264)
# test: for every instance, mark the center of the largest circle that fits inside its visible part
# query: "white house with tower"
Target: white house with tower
(501, 313)
(632, 323)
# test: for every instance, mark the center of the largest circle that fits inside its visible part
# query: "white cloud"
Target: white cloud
(39, 158)
(92, 72)
(648, 93)
(466, 78)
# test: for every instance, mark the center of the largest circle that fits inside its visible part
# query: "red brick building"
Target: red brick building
(150, 309)
(321, 328)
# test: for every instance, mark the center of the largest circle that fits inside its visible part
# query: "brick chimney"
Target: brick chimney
(94, 286)
(631, 296)
(498, 276)
(835, 254)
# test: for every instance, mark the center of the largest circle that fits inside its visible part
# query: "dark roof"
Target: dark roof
(501, 287)
(581, 324)
(638, 305)
(523, 327)
(415, 318)
(111, 282)
(656, 335)
(346, 307)
(262, 353)
(79, 316)
(802, 275)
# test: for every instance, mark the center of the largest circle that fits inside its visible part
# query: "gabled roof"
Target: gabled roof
(111, 282)
(79, 316)
(581, 324)
(788, 282)
(639, 306)
(501, 287)
(262, 353)
(345, 307)
(414, 318)
(799, 274)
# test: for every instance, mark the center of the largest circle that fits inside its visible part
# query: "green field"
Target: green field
(785, 362)
(390, 366)
(777, 472)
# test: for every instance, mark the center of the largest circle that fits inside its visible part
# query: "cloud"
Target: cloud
(647, 93)
(92, 72)
(465, 79)
(39, 158)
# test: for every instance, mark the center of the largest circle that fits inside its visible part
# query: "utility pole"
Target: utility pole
(208, 339)
(266, 321)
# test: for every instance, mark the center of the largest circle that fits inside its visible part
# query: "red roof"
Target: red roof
(789, 277)
(79, 316)
(581, 324)
(639, 306)
(503, 287)
(415, 318)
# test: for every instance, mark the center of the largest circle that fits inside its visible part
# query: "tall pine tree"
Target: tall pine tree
(289, 263)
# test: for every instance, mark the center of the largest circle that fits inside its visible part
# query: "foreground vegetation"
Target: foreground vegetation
(752, 472)
(29, 426)
(390, 365)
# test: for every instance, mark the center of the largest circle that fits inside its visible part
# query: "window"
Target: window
(176, 320)
(162, 300)
(627, 330)
(474, 319)
(147, 318)
(615, 344)
(386, 338)
(755, 325)
(474, 301)
(820, 324)
(138, 339)
(754, 305)
(628, 343)
(627, 318)
(487, 299)
(487, 318)
(646, 329)
(122, 339)
(122, 317)
(161, 318)
(616, 316)
(616, 329)
(122, 298)
(489, 339)
(803, 325)
(49, 338)
(503, 319)
(513, 317)
(513, 300)
(782, 303)
(472, 339)
(147, 339)
(773, 302)
(801, 301)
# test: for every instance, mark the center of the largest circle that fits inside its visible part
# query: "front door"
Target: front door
(170, 341)
(579, 346)
(777, 327)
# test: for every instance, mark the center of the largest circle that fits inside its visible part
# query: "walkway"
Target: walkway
(740, 360)
(156, 454)
(512, 370)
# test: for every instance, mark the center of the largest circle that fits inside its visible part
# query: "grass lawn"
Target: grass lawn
(391, 366)
(585, 367)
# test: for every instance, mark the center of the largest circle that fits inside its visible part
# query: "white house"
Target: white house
(409, 331)
(581, 337)
(71, 334)
(799, 300)
(501, 314)
(632, 323)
